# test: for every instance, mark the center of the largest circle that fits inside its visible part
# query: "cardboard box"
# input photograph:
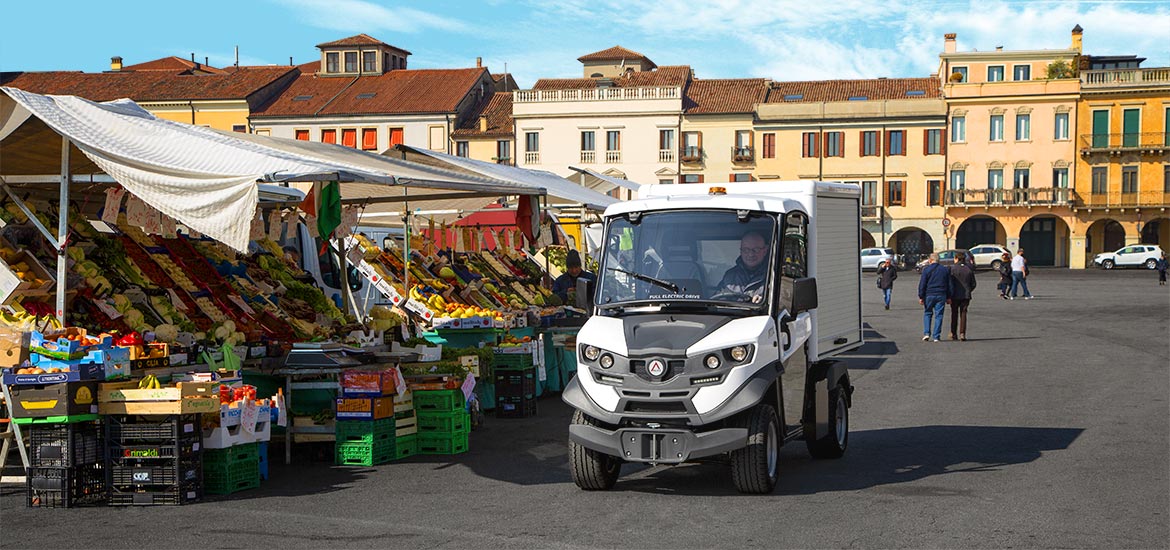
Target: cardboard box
(73, 372)
(368, 383)
(63, 399)
(365, 409)
(13, 347)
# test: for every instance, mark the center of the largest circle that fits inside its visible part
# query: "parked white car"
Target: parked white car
(1138, 255)
(988, 255)
(872, 258)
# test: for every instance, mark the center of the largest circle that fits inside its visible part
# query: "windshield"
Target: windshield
(687, 258)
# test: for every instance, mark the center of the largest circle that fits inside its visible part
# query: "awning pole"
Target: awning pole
(32, 218)
(63, 231)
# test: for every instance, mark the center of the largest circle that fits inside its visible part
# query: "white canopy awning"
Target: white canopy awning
(601, 182)
(556, 186)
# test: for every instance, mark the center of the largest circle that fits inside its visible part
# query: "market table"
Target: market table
(290, 384)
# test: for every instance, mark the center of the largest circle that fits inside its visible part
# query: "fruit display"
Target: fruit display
(26, 268)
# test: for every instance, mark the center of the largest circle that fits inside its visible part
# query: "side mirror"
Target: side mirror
(804, 294)
(584, 293)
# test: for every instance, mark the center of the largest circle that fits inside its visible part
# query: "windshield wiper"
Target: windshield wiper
(646, 278)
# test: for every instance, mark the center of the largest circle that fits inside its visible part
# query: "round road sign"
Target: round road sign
(946, 222)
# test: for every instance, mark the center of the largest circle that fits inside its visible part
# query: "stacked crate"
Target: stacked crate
(515, 381)
(232, 469)
(65, 462)
(443, 422)
(405, 426)
(153, 460)
(365, 430)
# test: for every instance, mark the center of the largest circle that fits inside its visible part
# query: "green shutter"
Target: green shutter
(1100, 129)
(1130, 127)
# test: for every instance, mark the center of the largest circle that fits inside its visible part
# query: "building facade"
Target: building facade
(1011, 153)
(717, 142)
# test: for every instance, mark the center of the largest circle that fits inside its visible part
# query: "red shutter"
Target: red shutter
(730, 177)
(700, 175)
(328, 136)
(302, 135)
(926, 142)
(349, 137)
(395, 136)
(841, 144)
(825, 144)
(942, 142)
(887, 149)
(804, 145)
(369, 139)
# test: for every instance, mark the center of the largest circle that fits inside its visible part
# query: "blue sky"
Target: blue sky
(777, 39)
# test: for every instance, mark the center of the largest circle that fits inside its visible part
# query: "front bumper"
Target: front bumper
(659, 446)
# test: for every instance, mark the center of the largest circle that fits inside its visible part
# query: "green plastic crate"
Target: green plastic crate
(365, 454)
(512, 361)
(248, 453)
(433, 444)
(364, 431)
(444, 423)
(58, 419)
(405, 446)
(228, 479)
(438, 401)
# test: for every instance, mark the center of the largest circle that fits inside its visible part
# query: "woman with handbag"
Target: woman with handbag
(885, 280)
(1005, 275)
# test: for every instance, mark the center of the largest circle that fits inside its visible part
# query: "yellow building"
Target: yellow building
(1010, 148)
(717, 140)
(1123, 165)
(488, 134)
(886, 135)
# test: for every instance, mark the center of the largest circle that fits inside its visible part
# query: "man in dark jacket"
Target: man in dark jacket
(962, 286)
(886, 275)
(934, 292)
(747, 277)
(566, 284)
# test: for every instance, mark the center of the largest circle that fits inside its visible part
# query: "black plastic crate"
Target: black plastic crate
(515, 407)
(129, 428)
(168, 496)
(65, 487)
(120, 455)
(189, 471)
(64, 445)
(515, 383)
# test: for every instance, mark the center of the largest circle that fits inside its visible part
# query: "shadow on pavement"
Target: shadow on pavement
(885, 459)
(873, 353)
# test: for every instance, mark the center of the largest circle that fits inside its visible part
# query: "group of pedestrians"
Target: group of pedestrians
(939, 286)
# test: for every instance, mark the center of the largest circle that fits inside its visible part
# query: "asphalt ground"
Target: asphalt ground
(1048, 428)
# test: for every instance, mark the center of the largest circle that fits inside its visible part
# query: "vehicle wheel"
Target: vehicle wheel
(1151, 264)
(834, 443)
(1107, 264)
(995, 264)
(592, 470)
(755, 468)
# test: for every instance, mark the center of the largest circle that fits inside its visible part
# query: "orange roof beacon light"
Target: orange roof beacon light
(717, 191)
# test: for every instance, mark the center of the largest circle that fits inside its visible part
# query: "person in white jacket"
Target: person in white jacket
(1020, 275)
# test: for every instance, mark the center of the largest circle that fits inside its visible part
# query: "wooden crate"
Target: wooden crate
(185, 398)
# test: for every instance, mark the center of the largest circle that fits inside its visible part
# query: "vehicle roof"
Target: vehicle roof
(990, 244)
(705, 202)
(770, 196)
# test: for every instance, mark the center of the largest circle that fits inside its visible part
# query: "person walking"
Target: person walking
(934, 293)
(962, 287)
(885, 279)
(1005, 275)
(1020, 275)
(1161, 265)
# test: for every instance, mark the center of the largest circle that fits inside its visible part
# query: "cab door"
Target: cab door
(792, 264)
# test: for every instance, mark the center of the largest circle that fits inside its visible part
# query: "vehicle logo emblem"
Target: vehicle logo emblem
(656, 367)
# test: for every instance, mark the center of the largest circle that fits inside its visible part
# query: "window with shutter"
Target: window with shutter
(302, 135)
(395, 136)
(369, 139)
(349, 137)
(809, 145)
(769, 146)
(329, 136)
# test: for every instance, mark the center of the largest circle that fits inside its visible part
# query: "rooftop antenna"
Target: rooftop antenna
(237, 56)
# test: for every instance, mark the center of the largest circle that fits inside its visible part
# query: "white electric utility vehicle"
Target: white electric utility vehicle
(715, 318)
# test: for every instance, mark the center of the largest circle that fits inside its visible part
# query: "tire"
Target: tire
(755, 468)
(834, 444)
(995, 264)
(592, 470)
(1107, 264)
(1151, 264)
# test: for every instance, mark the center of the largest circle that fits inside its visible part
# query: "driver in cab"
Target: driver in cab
(747, 277)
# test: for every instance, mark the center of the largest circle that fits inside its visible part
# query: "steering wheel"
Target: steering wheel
(739, 296)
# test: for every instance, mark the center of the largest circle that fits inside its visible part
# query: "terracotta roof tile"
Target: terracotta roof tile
(615, 53)
(725, 95)
(147, 85)
(843, 90)
(498, 110)
(395, 92)
(359, 40)
(173, 64)
(671, 75)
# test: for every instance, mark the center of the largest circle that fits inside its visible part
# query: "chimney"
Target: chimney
(479, 62)
(999, 48)
(116, 63)
(1076, 38)
(949, 42)
(483, 123)
(205, 62)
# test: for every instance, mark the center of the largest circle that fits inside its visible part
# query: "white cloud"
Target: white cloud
(358, 16)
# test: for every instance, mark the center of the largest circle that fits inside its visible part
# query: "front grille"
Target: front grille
(674, 367)
(656, 407)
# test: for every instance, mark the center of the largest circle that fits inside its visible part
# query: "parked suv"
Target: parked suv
(945, 257)
(988, 255)
(1138, 255)
(872, 258)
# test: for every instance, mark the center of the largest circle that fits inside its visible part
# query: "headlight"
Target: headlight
(606, 361)
(712, 361)
(738, 353)
(591, 353)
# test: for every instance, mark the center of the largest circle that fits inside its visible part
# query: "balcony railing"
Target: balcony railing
(666, 155)
(1157, 198)
(613, 157)
(532, 157)
(588, 157)
(1033, 196)
(597, 94)
(691, 154)
(1146, 142)
(1117, 78)
(871, 213)
(743, 154)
